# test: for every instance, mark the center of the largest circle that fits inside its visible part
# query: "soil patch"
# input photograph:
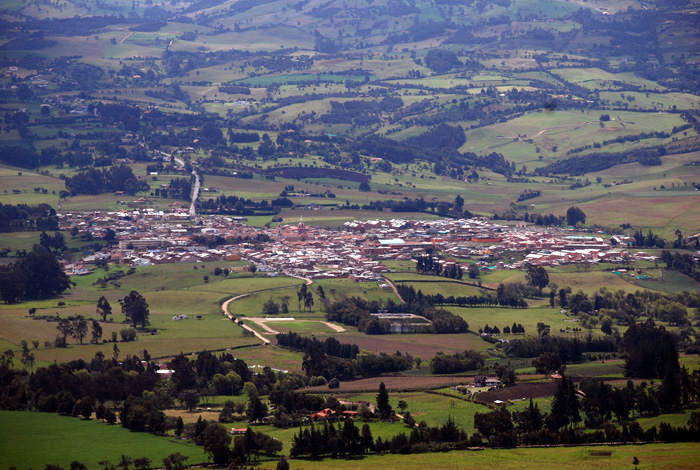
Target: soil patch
(518, 391)
(394, 383)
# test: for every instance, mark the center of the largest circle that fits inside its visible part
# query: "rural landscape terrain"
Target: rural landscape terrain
(349, 234)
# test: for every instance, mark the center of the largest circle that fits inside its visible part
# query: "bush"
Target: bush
(127, 334)
(317, 380)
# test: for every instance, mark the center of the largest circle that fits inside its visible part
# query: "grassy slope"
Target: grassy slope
(33, 440)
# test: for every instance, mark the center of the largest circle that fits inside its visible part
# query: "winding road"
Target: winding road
(262, 322)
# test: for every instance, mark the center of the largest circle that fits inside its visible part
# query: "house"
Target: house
(238, 431)
(484, 381)
(323, 415)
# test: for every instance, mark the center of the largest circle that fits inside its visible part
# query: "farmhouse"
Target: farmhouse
(484, 381)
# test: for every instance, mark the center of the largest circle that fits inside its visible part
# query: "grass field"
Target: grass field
(433, 409)
(651, 456)
(34, 440)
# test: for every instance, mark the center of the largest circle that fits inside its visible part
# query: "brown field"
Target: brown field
(395, 383)
(424, 346)
(518, 391)
(682, 211)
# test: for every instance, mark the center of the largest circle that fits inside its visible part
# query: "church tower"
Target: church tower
(301, 228)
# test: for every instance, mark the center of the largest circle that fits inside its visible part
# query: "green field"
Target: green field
(34, 440)
(651, 456)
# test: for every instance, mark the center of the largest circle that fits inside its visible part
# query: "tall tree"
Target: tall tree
(216, 444)
(301, 295)
(66, 329)
(79, 328)
(565, 405)
(383, 405)
(96, 332)
(537, 276)
(103, 308)
(574, 215)
(135, 308)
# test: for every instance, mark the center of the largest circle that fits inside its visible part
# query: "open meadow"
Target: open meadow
(656, 456)
(65, 439)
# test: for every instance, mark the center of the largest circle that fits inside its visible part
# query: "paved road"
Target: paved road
(195, 193)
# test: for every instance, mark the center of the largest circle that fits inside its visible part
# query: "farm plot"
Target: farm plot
(424, 346)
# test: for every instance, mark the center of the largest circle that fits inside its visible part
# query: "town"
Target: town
(356, 250)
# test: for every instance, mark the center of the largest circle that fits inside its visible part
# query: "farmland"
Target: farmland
(83, 438)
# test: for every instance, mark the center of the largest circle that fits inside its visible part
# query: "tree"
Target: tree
(216, 443)
(282, 464)
(103, 308)
(308, 301)
(75, 464)
(284, 304)
(493, 423)
(142, 463)
(189, 398)
(96, 332)
(383, 405)
(65, 327)
(506, 373)
(459, 203)
(301, 294)
(85, 408)
(574, 215)
(79, 329)
(38, 275)
(565, 405)
(537, 277)
(175, 461)
(28, 360)
(135, 308)
(270, 308)
(256, 409)
(402, 405)
(547, 362)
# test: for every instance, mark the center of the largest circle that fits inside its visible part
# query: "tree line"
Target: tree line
(115, 178)
(36, 276)
(23, 217)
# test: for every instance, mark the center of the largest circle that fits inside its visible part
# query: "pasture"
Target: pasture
(34, 440)
(169, 289)
(431, 408)
(656, 456)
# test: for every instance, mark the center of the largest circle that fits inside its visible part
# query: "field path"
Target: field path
(393, 286)
(262, 322)
(224, 307)
(126, 37)
(570, 126)
(266, 341)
